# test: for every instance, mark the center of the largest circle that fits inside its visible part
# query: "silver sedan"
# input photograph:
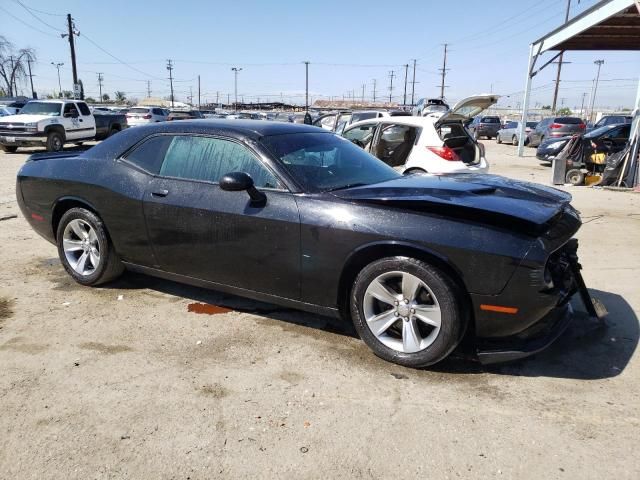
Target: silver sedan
(511, 131)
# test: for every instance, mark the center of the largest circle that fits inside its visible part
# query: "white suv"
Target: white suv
(438, 143)
(144, 115)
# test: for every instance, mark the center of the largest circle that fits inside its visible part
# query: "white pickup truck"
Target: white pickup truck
(52, 123)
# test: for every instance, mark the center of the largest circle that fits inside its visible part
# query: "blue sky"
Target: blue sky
(349, 43)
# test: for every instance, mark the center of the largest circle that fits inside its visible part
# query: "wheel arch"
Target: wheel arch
(366, 254)
(63, 204)
(55, 128)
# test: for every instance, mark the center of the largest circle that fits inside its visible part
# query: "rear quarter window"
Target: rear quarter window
(149, 154)
(84, 110)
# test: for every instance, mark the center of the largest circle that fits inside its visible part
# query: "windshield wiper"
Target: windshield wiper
(344, 187)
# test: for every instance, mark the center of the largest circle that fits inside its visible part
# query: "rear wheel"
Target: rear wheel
(85, 249)
(9, 148)
(407, 311)
(574, 177)
(112, 131)
(514, 140)
(55, 142)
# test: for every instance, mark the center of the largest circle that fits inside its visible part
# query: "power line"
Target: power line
(28, 10)
(26, 24)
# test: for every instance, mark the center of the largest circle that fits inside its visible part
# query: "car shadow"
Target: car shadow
(589, 349)
(136, 281)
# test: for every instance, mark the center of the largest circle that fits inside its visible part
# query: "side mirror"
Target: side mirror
(238, 181)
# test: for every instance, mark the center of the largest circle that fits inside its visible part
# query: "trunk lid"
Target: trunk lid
(479, 198)
(468, 108)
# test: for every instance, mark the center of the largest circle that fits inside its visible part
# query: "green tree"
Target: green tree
(105, 97)
(546, 107)
(90, 100)
(564, 111)
(66, 94)
(120, 96)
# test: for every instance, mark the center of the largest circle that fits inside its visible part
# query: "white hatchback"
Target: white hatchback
(144, 115)
(437, 143)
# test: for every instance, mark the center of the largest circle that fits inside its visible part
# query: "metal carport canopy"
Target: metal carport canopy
(608, 25)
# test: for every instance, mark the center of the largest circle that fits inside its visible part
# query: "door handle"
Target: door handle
(81, 120)
(160, 193)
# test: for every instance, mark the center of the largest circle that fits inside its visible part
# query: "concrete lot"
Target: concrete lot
(96, 387)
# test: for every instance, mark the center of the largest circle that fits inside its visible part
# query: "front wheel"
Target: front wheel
(9, 148)
(85, 249)
(414, 171)
(574, 177)
(55, 142)
(407, 311)
(514, 140)
(498, 139)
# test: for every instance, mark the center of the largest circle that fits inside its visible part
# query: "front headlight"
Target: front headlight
(31, 126)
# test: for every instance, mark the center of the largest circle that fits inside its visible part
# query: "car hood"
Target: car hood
(480, 198)
(549, 141)
(23, 118)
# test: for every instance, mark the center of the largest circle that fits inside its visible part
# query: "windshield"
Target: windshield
(41, 108)
(322, 162)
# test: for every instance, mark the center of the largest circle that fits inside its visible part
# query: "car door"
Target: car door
(361, 135)
(198, 230)
(71, 121)
(86, 121)
(617, 139)
(393, 143)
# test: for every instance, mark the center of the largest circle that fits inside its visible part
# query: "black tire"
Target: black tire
(55, 141)
(574, 177)
(449, 299)
(498, 139)
(9, 148)
(112, 131)
(414, 171)
(109, 267)
(514, 140)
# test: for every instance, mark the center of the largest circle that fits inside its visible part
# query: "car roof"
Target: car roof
(246, 128)
(413, 121)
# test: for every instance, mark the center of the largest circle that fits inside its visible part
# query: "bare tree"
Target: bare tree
(13, 65)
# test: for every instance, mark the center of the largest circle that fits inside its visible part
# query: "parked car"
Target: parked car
(614, 137)
(184, 115)
(555, 127)
(52, 123)
(484, 127)
(6, 111)
(359, 115)
(426, 106)
(144, 115)
(293, 215)
(510, 132)
(611, 120)
(334, 122)
(425, 144)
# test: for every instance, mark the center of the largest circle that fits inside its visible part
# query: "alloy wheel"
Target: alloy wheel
(81, 247)
(402, 312)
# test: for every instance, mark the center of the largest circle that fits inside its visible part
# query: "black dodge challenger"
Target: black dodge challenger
(297, 216)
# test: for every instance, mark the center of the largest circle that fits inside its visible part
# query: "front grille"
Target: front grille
(4, 131)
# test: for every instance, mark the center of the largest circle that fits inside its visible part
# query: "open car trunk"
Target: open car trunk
(456, 137)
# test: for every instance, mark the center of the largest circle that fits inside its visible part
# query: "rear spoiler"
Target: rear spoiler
(51, 155)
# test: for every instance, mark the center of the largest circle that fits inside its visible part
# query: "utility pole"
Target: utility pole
(33, 92)
(170, 68)
(413, 83)
(306, 88)
(148, 88)
(198, 92)
(217, 98)
(391, 75)
(363, 86)
(595, 88)
(584, 94)
(235, 73)
(58, 65)
(100, 78)
(406, 74)
(12, 80)
(444, 71)
(228, 99)
(555, 92)
(374, 90)
(191, 95)
(73, 53)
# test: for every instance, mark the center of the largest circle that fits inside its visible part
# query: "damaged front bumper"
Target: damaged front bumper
(541, 333)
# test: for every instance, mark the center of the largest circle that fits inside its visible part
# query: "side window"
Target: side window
(84, 110)
(69, 108)
(150, 154)
(208, 159)
(361, 136)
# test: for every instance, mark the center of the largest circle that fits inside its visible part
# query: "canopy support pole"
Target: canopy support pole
(525, 102)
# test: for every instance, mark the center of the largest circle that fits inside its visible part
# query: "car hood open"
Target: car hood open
(489, 199)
